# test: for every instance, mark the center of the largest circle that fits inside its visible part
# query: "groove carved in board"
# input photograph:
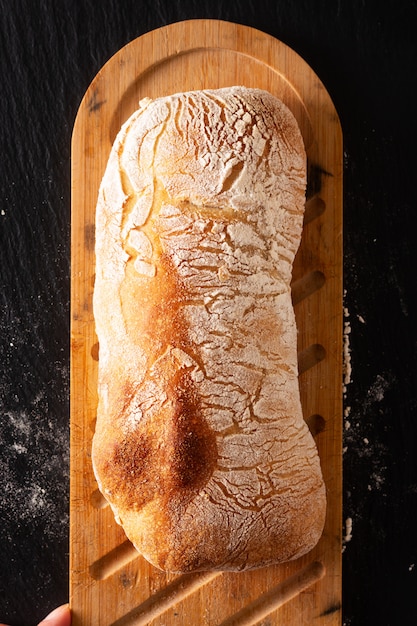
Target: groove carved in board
(162, 600)
(316, 423)
(97, 500)
(315, 207)
(308, 284)
(114, 560)
(95, 351)
(310, 356)
(277, 596)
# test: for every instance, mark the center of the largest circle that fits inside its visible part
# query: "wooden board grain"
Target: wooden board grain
(110, 583)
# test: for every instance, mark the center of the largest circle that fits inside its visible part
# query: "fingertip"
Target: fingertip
(61, 616)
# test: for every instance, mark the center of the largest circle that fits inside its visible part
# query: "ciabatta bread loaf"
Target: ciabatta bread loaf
(200, 444)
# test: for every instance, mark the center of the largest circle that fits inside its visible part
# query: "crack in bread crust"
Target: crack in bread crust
(200, 446)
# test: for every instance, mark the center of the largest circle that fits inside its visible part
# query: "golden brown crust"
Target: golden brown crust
(200, 445)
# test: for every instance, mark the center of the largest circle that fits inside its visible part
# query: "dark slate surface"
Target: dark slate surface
(365, 53)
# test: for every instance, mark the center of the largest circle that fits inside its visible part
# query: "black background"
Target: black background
(365, 53)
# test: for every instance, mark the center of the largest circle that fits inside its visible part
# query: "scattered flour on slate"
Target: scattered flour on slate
(33, 469)
(358, 422)
(347, 377)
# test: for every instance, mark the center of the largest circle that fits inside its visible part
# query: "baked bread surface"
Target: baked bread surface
(200, 444)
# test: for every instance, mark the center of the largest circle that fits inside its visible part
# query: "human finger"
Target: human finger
(60, 616)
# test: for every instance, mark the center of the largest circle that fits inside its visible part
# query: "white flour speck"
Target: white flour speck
(347, 364)
(348, 531)
(377, 391)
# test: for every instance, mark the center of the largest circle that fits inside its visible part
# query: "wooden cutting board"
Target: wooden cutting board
(110, 583)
